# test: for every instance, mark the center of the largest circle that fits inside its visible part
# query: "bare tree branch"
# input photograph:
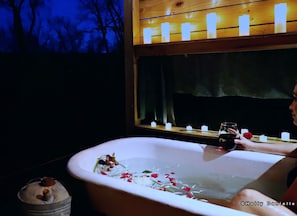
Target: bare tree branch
(98, 10)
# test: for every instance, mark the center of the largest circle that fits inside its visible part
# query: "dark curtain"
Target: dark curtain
(257, 74)
(155, 90)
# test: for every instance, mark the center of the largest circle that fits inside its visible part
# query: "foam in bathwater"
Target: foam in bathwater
(181, 179)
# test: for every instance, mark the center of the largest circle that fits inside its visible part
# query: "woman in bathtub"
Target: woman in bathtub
(254, 202)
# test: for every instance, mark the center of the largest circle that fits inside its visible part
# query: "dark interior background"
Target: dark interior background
(53, 105)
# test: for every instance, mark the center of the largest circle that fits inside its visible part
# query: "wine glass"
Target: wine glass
(226, 138)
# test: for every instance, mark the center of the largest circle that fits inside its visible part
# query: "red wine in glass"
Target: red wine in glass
(226, 138)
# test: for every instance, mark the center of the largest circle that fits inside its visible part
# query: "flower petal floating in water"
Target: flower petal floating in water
(126, 175)
(189, 195)
(185, 188)
(107, 165)
(154, 175)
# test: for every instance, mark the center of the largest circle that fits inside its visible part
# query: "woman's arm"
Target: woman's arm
(287, 149)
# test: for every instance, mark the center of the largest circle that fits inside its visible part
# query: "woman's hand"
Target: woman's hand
(241, 141)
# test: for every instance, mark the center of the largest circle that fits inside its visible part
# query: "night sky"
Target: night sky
(75, 20)
(65, 8)
(68, 8)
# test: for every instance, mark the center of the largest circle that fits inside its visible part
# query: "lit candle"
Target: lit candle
(285, 136)
(244, 25)
(211, 22)
(244, 130)
(186, 31)
(153, 124)
(280, 18)
(204, 128)
(168, 12)
(189, 128)
(168, 126)
(147, 35)
(165, 30)
(263, 138)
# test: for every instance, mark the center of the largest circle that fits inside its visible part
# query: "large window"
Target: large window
(251, 88)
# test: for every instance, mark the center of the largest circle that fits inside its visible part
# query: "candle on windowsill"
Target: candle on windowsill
(204, 128)
(165, 31)
(186, 31)
(244, 130)
(153, 124)
(263, 138)
(168, 126)
(189, 128)
(280, 18)
(147, 35)
(211, 23)
(244, 25)
(285, 136)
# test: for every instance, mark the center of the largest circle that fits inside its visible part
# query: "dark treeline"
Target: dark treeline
(97, 28)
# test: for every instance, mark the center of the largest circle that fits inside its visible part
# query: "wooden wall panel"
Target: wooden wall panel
(135, 20)
(156, 8)
(154, 12)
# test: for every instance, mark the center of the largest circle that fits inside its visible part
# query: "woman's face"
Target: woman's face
(293, 106)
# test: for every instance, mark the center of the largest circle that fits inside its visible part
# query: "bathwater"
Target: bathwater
(179, 178)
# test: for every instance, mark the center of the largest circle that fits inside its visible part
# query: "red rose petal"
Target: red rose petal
(189, 195)
(186, 188)
(248, 135)
(154, 175)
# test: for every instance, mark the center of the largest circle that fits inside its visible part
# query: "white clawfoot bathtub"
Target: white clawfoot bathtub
(227, 173)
